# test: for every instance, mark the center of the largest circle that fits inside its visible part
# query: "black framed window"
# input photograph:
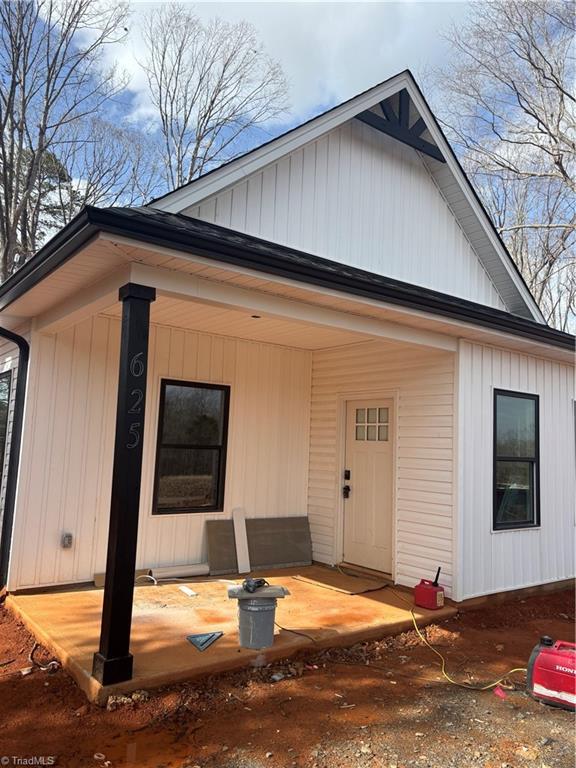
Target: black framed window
(516, 460)
(191, 449)
(5, 385)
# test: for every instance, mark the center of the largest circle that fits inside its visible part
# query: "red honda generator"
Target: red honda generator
(551, 676)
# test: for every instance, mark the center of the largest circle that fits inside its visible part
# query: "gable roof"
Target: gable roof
(371, 107)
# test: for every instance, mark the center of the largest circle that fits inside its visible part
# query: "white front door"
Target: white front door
(368, 484)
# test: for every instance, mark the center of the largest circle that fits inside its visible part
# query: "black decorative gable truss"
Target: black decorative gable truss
(395, 122)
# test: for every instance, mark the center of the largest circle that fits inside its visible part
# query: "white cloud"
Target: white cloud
(329, 51)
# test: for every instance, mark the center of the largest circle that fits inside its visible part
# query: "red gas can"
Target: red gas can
(429, 594)
(552, 673)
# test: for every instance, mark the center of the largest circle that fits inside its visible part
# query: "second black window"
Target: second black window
(191, 450)
(516, 465)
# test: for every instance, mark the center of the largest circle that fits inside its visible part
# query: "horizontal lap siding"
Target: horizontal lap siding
(361, 198)
(424, 382)
(504, 560)
(68, 446)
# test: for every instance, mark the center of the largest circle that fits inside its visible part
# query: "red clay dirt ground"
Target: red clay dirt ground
(381, 704)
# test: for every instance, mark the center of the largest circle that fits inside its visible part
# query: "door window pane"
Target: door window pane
(514, 493)
(191, 455)
(372, 424)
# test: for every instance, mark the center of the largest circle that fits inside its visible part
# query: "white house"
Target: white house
(328, 326)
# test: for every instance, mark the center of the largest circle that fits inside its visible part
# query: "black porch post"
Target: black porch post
(113, 662)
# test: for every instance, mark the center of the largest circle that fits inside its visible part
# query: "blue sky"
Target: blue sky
(329, 51)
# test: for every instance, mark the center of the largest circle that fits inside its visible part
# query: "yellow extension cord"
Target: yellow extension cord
(486, 687)
(445, 674)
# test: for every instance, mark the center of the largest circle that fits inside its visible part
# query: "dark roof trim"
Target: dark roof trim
(227, 246)
(55, 253)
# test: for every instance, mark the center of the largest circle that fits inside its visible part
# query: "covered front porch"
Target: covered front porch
(307, 373)
(325, 608)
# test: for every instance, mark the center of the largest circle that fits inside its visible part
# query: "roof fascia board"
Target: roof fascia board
(77, 233)
(238, 169)
(472, 198)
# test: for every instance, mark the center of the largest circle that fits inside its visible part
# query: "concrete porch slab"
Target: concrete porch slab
(68, 623)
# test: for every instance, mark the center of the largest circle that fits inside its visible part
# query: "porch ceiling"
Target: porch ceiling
(194, 294)
(222, 321)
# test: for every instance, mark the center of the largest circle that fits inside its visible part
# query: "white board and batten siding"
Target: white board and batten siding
(68, 445)
(357, 197)
(423, 385)
(285, 453)
(504, 560)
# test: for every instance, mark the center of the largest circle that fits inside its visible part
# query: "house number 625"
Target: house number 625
(136, 370)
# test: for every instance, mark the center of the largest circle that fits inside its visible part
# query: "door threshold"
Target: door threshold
(360, 570)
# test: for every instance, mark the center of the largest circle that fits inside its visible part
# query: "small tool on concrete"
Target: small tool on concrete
(251, 585)
(188, 591)
(204, 640)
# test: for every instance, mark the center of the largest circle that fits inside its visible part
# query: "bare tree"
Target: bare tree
(105, 165)
(94, 163)
(507, 101)
(212, 84)
(51, 79)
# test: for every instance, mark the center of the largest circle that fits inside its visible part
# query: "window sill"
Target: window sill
(179, 512)
(523, 529)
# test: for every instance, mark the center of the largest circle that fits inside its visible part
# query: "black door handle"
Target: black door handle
(346, 491)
